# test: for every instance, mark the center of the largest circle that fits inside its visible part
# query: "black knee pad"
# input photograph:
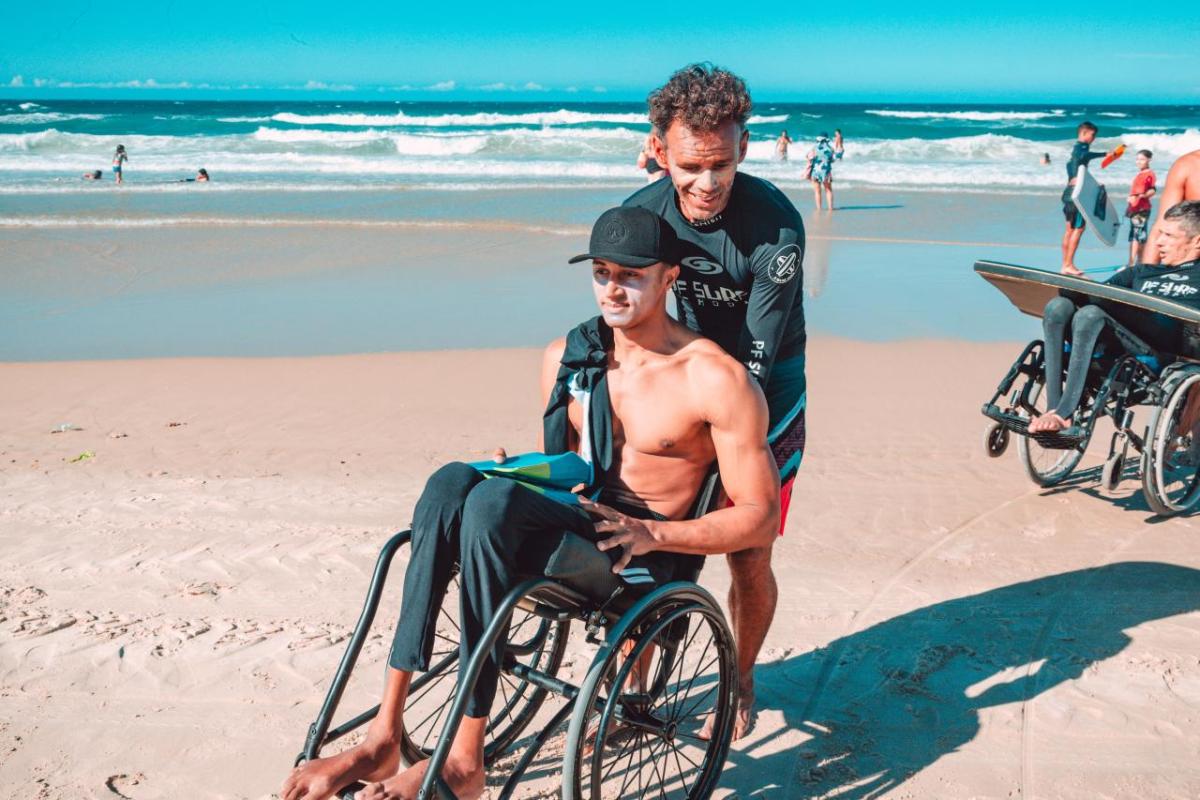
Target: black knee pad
(1059, 309)
(1089, 316)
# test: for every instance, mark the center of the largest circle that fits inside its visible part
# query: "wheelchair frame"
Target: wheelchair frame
(631, 636)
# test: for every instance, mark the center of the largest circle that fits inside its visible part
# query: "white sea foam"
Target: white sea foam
(1117, 114)
(509, 155)
(275, 222)
(43, 118)
(29, 106)
(1170, 145)
(482, 119)
(968, 116)
(243, 119)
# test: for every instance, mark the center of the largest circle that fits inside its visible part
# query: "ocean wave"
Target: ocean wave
(968, 116)
(243, 119)
(1171, 145)
(1117, 114)
(43, 117)
(29, 106)
(268, 222)
(481, 119)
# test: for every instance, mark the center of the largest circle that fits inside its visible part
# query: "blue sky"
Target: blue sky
(930, 51)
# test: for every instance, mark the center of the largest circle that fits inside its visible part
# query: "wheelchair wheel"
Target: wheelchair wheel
(1110, 474)
(1045, 466)
(995, 440)
(1170, 477)
(635, 732)
(534, 641)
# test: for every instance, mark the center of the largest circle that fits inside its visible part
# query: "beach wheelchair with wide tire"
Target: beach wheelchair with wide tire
(665, 664)
(1125, 372)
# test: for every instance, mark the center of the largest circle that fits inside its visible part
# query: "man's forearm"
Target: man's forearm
(726, 530)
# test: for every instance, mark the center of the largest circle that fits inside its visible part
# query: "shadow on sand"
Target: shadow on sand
(886, 702)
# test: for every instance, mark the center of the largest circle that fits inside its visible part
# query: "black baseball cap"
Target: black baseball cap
(632, 237)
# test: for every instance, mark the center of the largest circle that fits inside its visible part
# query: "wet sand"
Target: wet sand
(332, 275)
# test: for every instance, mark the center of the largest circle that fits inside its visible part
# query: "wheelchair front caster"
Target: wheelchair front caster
(995, 440)
(1110, 475)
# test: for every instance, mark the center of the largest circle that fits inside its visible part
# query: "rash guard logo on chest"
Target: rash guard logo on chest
(702, 265)
(785, 264)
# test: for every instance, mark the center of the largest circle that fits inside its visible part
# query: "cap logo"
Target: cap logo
(615, 231)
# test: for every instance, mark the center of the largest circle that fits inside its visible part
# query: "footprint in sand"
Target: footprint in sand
(125, 786)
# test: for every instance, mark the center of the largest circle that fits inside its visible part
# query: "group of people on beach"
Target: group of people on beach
(652, 403)
(120, 157)
(1181, 185)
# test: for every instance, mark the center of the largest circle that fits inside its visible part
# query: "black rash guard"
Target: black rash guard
(1080, 154)
(1180, 283)
(740, 278)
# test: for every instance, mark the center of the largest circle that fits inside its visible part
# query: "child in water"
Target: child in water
(119, 159)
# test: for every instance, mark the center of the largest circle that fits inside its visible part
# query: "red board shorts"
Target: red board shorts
(788, 449)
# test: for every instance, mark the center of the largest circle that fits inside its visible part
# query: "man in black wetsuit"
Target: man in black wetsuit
(740, 285)
(1080, 154)
(1176, 278)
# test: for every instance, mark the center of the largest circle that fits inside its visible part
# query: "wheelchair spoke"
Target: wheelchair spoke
(629, 773)
(679, 766)
(654, 747)
(682, 693)
(688, 714)
(678, 667)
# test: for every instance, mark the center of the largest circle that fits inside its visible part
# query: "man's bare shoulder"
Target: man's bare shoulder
(1186, 167)
(713, 373)
(554, 350)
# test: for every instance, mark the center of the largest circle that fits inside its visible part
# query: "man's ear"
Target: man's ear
(670, 274)
(743, 145)
(659, 138)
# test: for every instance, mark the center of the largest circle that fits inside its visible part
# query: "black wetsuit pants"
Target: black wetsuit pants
(498, 532)
(1086, 325)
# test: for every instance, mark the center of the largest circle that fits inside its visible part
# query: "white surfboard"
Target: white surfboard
(1092, 200)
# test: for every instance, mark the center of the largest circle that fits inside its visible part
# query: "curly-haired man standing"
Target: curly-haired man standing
(739, 285)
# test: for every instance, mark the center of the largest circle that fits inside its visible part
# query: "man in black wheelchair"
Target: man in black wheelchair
(651, 406)
(1176, 277)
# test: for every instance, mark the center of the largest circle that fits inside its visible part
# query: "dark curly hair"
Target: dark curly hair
(702, 97)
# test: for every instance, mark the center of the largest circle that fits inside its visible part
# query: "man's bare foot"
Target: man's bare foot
(1074, 271)
(320, 779)
(465, 777)
(741, 724)
(1048, 423)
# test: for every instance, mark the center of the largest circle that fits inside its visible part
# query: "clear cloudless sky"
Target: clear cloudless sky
(903, 52)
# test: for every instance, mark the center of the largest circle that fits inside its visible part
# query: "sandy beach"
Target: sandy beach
(174, 603)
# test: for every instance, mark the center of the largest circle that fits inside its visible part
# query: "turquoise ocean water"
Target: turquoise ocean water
(373, 146)
(931, 188)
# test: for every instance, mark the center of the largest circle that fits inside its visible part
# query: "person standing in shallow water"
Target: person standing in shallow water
(781, 146)
(119, 159)
(820, 170)
(740, 285)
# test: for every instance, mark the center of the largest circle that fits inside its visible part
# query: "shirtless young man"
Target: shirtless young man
(664, 404)
(1183, 183)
